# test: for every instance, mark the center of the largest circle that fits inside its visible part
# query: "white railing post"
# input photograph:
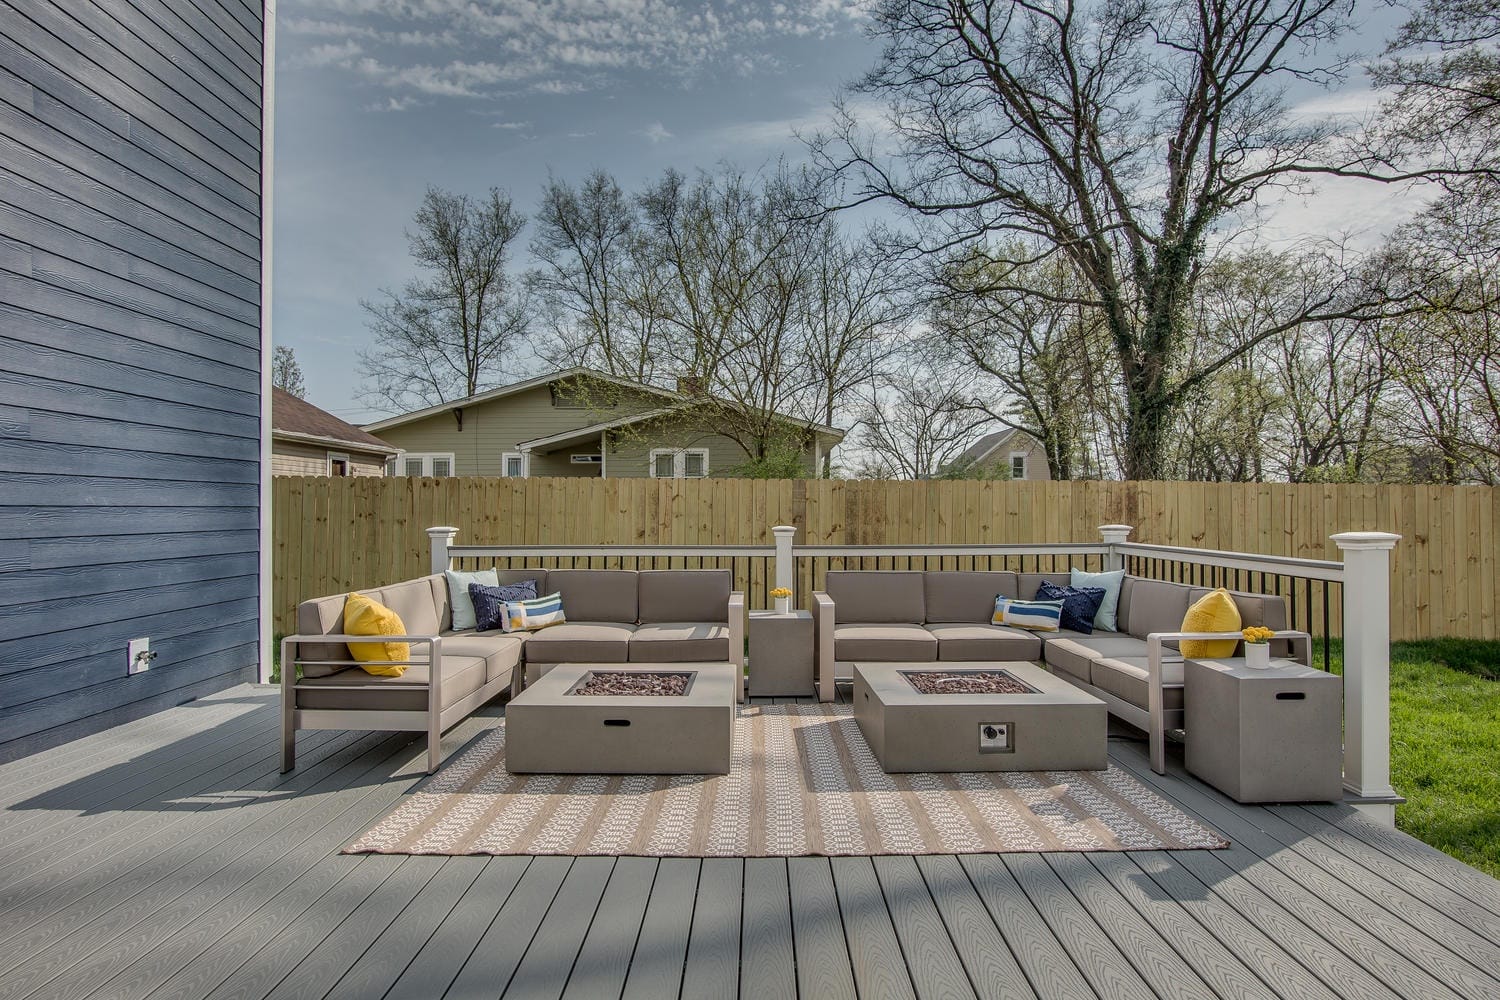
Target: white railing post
(1367, 671)
(1114, 534)
(786, 569)
(441, 538)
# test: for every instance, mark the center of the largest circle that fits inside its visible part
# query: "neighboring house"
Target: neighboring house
(578, 422)
(1012, 450)
(307, 441)
(133, 220)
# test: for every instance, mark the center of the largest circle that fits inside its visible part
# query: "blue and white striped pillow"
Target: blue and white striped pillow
(1038, 616)
(528, 616)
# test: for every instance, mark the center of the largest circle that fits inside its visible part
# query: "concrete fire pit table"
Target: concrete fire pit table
(554, 728)
(1036, 722)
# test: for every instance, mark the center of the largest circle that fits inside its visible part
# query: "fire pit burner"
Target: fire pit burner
(631, 682)
(966, 682)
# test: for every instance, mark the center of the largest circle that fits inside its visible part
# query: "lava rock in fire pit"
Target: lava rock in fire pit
(626, 682)
(966, 682)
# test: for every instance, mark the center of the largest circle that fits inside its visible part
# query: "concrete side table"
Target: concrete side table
(1265, 735)
(781, 654)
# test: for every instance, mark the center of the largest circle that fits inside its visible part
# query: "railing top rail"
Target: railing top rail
(1308, 569)
(1044, 549)
(719, 551)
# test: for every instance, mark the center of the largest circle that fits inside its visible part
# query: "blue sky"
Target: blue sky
(377, 99)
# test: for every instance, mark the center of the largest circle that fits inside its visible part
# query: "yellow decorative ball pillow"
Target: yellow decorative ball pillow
(363, 616)
(1213, 612)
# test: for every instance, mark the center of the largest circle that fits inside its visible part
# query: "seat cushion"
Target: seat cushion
(964, 596)
(964, 641)
(1073, 652)
(462, 676)
(581, 642)
(680, 642)
(501, 653)
(683, 595)
(596, 595)
(876, 597)
(1125, 678)
(884, 643)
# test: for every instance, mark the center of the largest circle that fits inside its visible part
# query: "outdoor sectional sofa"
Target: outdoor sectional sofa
(614, 616)
(944, 616)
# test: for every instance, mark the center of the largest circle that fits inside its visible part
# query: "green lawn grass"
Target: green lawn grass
(1445, 745)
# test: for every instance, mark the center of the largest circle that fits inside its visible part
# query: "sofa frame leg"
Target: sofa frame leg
(434, 746)
(288, 742)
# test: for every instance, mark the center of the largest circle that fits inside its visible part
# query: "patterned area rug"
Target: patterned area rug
(803, 782)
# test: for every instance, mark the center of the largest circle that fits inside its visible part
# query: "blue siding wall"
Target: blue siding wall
(129, 357)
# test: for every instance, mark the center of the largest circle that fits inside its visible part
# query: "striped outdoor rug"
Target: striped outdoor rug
(803, 782)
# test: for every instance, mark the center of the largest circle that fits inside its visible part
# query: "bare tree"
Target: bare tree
(1124, 136)
(286, 374)
(917, 421)
(455, 332)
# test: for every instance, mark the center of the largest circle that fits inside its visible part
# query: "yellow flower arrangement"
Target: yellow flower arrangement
(782, 592)
(1258, 634)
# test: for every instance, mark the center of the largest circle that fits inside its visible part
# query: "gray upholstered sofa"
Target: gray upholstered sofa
(932, 616)
(614, 616)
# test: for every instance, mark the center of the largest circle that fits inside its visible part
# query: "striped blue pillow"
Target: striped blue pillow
(1038, 616)
(528, 616)
(490, 602)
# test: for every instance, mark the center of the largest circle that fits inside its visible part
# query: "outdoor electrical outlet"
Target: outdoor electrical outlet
(140, 655)
(994, 737)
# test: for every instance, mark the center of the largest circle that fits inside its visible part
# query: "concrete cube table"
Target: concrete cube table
(1264, 735)
(1056, 727)
(781, 654)
(551, 730)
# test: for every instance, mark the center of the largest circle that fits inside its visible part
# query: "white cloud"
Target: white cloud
(394, 104)
(341, 54)
(656, 132)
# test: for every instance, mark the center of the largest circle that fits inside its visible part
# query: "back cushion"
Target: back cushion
(965, 597)
(596, 595)
(321, 616)
(416, 602)
(1148, 606)
(683, 595)
(1026, 583)
(1266, 610)
(877, 596)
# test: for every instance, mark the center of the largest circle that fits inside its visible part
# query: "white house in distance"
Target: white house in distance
(307, 441)
(1011, 449)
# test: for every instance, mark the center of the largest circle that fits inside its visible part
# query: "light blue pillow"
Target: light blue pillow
(1111, 583)
(458, 595)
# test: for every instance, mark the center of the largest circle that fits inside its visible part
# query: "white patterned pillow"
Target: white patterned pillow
(528, 616)
(1038, 616)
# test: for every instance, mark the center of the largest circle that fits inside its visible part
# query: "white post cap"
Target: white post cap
(1364, 540)
(1115, 532)
(448, 530)
(783, 529)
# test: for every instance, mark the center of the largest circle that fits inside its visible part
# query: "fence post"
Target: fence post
(1367, 672)
(786, 569)
(1114, 534)
(441, 538)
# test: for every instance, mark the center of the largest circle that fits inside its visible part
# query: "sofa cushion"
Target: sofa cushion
(1026, 583)
(322, 616)
(596, 595)
(416, 602)
(1036, 616)
(964, 596)
(461, 613)
(889, 643)
(971, 641)
(489, 602)
(1148, 606)
(877, 597)
(501, 653)
(683, 595)
(1111, 581)
(581, 642)
(680, 642)
(1073, 652)
(363, 616)
(1215, 611)
(1125, 678)
(1079, 604)
(532, 614)
(462, 676)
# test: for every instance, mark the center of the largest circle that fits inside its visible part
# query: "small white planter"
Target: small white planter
(1258, 655)
(783, 605)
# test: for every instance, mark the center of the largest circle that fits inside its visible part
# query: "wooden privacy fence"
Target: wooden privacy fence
(335, 535)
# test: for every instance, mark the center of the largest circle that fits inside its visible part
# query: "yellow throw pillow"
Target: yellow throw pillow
(363, 616)
(1213, 612)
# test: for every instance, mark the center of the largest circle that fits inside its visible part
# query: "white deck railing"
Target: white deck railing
(1363, 577)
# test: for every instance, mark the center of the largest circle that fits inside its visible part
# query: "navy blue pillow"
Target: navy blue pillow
(489, 602)
(1080, 604)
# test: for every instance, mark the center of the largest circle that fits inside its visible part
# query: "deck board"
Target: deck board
(177, 861)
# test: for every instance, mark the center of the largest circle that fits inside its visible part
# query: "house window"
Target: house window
(338, 465)
(679, 463)
(1018, 465)
(513, 465)
(417, 464)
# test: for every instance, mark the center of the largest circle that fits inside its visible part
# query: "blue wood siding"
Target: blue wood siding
(130, 226)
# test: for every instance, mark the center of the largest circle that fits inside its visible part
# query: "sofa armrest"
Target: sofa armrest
(737, 642)
(823, 623)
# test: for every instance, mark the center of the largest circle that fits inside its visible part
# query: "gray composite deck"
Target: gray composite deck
(168, 858)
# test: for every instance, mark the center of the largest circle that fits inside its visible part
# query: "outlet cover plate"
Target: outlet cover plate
(139, 651)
